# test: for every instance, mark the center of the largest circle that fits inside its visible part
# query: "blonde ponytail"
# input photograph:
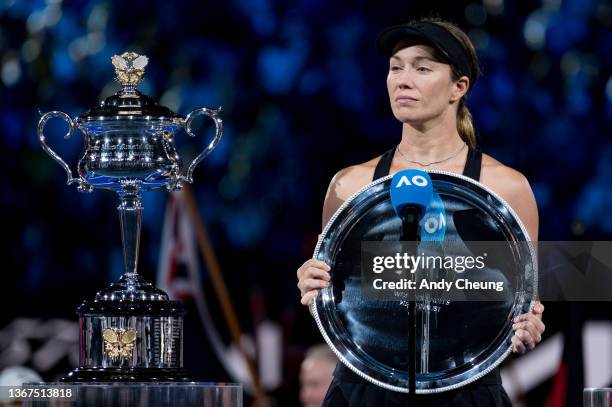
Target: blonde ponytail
(465, 127)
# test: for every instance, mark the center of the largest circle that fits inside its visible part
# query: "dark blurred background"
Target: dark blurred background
(303, 94)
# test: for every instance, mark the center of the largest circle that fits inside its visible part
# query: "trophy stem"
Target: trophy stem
(130, 216)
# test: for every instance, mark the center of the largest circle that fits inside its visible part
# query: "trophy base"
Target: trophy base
(81, 374)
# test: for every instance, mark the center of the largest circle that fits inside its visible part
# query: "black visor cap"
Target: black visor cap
(429, 33)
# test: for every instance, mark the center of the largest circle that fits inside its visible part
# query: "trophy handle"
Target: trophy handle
(41, 137)
(213, 114)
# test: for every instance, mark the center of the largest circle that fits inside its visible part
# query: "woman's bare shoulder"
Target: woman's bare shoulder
(514, 188)
(351, 179)
(345, 183)
(501, 177)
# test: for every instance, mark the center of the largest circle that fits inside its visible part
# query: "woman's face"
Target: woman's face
(420, 88)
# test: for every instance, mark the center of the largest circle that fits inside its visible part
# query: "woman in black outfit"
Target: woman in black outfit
(432, 67)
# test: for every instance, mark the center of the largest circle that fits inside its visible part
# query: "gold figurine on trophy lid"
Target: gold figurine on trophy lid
(129, 68)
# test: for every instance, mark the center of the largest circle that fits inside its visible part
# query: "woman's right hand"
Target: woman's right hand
(312, 276)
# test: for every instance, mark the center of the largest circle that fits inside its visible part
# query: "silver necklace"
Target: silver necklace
(433, 162)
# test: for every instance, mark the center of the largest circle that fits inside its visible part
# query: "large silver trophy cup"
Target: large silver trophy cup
(130, 331)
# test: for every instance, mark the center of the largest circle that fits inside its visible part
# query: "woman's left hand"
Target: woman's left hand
(528, 329)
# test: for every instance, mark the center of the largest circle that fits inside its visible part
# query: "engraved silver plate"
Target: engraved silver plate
(457, 342)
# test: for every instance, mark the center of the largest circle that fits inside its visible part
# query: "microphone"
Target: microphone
(411, 193)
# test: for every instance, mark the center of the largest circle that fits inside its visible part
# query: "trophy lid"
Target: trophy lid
(128, 102)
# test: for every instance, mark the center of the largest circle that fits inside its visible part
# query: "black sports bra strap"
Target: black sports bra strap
(383, 167)
(473, 164)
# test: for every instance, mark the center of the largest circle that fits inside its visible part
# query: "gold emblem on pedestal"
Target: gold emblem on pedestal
(118, 342)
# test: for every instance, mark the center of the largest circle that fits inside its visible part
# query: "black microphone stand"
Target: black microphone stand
(411, 232)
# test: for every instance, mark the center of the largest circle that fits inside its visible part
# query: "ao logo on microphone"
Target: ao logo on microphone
(434, 223)
(418, 180)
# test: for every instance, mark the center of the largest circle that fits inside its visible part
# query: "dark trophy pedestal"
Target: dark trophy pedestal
(136, 337)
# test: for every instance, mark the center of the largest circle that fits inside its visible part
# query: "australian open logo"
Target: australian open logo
(433, 224)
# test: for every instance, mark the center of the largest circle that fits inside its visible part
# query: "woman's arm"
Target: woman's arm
(514, 188)
(313, 274)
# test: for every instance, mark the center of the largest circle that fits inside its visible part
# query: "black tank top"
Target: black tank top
(471, 169)
(383, 167)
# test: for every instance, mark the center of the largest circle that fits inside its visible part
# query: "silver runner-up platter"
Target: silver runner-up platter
(130, 331)
(460, 335)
